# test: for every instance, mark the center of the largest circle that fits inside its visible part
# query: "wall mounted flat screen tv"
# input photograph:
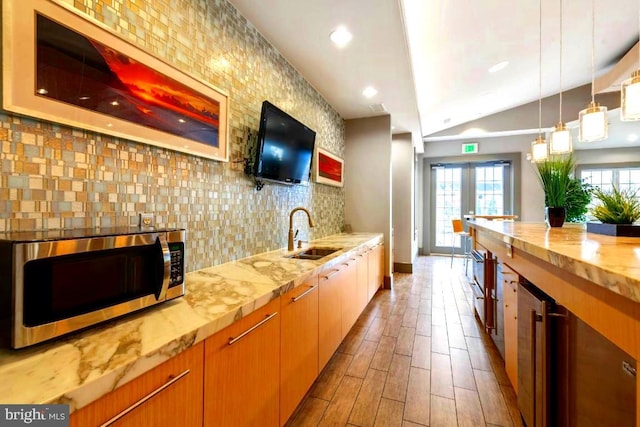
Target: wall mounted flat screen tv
(284, 149)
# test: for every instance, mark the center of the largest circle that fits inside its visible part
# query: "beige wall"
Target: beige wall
(404, 243)
(53, 176)
(368, 178)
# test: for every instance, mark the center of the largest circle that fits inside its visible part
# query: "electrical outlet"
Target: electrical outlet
(146, 220)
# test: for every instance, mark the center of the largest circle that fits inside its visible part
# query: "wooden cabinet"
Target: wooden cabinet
(362, 277)
(510, 310)
(298, 344)
(168, 395)
(329, 315)
(242, 371)
(348, 296)
(376, 269)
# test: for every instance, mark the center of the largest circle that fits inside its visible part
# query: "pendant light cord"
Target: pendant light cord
(560, 61)
(540, 70)
(593, 48)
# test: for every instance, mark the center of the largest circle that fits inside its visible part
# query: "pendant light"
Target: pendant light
(560, 140)
(630, 91)
(539, 148)
(593, 119)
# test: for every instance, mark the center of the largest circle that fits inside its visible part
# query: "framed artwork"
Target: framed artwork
(68, 68)
(329, 168)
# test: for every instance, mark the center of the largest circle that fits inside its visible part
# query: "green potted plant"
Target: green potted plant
(616, 210)
(578, 199)
(555, 175)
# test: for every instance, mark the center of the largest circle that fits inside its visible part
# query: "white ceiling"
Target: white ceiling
(448, 45)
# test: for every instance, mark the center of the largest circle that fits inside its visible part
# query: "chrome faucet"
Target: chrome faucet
(311, 224)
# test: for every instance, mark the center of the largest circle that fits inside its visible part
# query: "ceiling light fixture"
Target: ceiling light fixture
(593, 119)
(539, 149)
(499, 66)
(630, 91)
(340, 36)
(42, 91)
(560, 140)
(370, 92)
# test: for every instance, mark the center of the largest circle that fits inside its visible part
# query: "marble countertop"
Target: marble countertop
(608, 261)
(83, 367)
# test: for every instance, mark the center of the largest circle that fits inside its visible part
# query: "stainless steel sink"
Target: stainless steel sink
(314, 253)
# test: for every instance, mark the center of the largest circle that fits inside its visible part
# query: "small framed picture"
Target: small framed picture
(329, 168)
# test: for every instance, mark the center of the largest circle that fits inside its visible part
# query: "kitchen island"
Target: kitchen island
(85, 366)
(596, 277)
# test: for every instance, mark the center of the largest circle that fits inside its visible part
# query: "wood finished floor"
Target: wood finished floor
(415, 357)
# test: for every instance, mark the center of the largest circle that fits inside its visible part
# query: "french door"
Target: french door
(458, 189)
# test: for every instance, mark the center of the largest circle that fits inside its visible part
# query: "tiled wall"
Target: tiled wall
(54, 176)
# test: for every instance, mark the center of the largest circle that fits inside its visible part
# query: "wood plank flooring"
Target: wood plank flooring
(415, 357)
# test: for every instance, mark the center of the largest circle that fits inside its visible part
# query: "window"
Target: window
(605, 177)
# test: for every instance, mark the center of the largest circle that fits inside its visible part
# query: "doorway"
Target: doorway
(457, 189)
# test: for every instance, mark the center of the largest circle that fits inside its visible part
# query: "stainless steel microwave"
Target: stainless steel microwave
(58, 281)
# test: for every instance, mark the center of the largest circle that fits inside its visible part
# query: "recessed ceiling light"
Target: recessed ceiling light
(182, 120)
(341, 36)
(370, 91)
(114, 103)
(43, 91)
(632, 137)
(84, 98)
(499, 66)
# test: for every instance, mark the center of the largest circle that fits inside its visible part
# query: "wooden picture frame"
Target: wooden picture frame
(328, 168)
(65, 67)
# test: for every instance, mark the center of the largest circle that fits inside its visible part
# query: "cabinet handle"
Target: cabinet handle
(545, 362)
(172, 380)
(302, 295)
(330, 275)
(532, 351)
(233, 340)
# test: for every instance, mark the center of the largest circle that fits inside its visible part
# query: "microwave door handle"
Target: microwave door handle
(165, 267)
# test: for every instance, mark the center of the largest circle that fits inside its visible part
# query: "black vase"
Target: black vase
(555, 216)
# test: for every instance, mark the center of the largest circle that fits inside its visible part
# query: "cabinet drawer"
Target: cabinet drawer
(299, 345)
(168, 395)
(242, 371)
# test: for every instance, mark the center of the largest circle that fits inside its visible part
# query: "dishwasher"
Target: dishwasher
(568, 373)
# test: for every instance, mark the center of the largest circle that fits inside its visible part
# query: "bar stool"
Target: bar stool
(465, 240)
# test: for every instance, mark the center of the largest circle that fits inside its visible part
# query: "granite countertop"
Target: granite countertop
(83, 367)
(608, 261)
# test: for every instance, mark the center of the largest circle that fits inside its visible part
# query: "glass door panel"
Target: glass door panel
(458, 189)
(489, 190)
(448, 198)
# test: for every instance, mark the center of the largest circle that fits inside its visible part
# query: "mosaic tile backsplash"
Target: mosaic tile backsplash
(54, 176)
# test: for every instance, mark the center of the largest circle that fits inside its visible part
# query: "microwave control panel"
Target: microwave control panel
(177, 263)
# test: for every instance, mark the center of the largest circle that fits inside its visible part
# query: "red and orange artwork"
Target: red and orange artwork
(78, 70)
(329, 167)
